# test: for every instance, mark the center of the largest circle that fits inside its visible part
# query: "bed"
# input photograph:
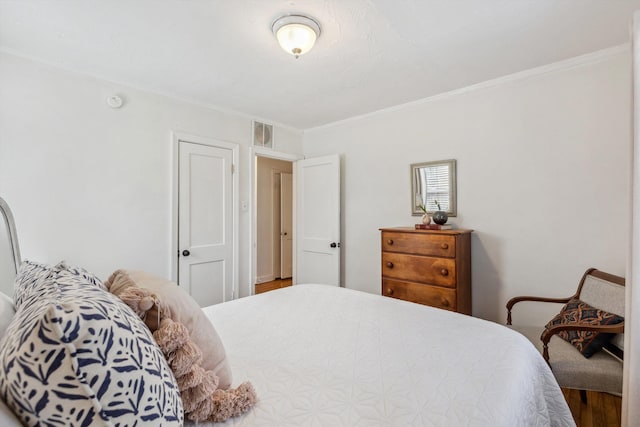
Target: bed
(319, 355)
(334, 356)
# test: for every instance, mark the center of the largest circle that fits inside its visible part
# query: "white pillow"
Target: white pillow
(7, 419)
(7, 310)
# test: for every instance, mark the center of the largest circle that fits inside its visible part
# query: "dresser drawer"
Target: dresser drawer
(435, 245)
(423, 269)
(422, 294)
(429, 267)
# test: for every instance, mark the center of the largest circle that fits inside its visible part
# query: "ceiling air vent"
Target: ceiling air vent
(262, 134)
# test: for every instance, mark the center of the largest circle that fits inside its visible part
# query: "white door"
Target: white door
(286, 225)
(318, 220)
(205, 222)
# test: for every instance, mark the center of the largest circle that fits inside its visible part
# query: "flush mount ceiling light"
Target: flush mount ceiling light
(296, 33)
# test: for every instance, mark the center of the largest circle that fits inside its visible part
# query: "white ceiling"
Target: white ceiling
(372, 54)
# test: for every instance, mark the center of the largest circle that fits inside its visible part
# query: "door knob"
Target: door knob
(334, 245)
(186, 253)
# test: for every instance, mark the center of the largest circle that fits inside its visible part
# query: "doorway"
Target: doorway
(274, 221)
(315, 215)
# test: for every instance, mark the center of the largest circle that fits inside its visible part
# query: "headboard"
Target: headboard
(9, 244)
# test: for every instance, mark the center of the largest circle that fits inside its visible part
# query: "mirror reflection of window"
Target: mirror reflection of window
(433, 184)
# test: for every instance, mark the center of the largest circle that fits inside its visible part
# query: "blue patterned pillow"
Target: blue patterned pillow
(32, 276)
(76, 355)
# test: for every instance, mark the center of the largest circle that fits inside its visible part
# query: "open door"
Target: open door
(317, 190)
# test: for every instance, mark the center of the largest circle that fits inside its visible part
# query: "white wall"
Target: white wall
(542, 174)
(92, 185)
(631, 385)
(543, 178)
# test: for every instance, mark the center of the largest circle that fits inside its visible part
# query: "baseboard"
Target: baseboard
(265, 278)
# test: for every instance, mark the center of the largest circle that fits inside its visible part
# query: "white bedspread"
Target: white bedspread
(326, 356)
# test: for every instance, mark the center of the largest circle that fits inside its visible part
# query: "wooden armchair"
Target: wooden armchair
(601, 372)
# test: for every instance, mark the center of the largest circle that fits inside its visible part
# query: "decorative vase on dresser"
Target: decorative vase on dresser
(431, 267)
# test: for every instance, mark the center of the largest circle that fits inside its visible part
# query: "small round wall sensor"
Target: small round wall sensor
(114, 101)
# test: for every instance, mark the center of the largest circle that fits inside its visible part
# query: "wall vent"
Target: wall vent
(262, 134)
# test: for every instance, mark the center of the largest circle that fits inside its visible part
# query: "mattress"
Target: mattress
(319, 355)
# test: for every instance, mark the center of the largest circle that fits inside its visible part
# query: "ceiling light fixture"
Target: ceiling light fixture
(296, 33)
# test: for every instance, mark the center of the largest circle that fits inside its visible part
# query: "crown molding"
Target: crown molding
(567, 64)
(170, 96)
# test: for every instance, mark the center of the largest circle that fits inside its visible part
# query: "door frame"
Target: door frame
(254, 153)
(275, 268)
(283, 195)
(177, 137)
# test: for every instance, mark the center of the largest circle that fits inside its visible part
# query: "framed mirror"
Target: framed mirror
(433, 182)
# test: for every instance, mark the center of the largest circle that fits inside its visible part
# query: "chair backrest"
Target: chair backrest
(606, 292)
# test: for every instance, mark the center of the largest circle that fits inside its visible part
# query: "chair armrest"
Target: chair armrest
(515, 300)
(618, 328)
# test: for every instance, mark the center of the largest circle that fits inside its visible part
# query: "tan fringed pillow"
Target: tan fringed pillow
(185, 310)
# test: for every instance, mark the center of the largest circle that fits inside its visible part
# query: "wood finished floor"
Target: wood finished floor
(601, 409)
(270, 286)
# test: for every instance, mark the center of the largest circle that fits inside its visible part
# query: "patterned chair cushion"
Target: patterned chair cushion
(587, 342)
(76, 355)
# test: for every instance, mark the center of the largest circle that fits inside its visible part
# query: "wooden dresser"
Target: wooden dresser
(428, 267)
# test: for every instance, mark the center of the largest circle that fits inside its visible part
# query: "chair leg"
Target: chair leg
(583, 396)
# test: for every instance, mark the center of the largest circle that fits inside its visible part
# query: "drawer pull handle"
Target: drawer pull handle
(445, 302)
(390, 242)
(389, 291)
(390, 264)
(444, 272)
(444, 246)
